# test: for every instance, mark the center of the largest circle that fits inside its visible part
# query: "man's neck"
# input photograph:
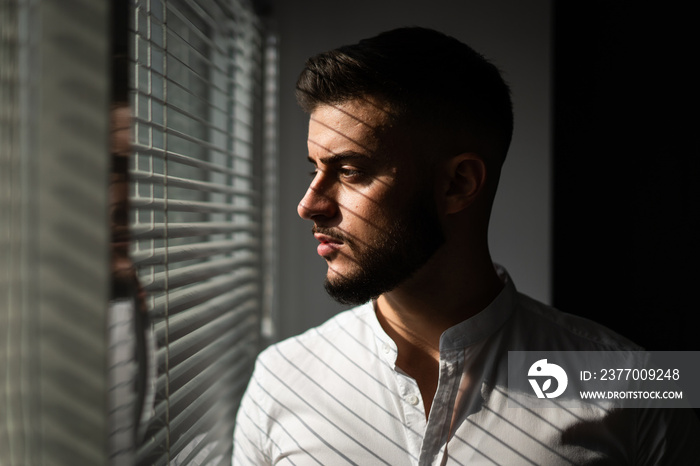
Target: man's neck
(417, 313)
(426, 305)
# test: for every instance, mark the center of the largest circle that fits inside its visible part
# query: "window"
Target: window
(54, 234)
(198, 195)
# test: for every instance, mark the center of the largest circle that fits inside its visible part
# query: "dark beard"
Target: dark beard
(394, 257)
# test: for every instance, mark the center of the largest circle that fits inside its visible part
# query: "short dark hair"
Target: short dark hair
(428, 79)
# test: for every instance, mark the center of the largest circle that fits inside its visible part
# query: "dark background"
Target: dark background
(626, 169)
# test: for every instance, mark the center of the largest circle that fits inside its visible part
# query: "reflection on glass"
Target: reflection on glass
(130, 368)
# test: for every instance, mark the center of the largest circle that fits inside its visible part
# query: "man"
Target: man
(407, 134)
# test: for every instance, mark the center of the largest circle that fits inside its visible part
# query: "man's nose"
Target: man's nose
(318, 201)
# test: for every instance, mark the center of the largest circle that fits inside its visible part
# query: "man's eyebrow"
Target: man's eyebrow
(339, 157)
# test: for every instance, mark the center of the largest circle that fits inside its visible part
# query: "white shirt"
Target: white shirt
(334, 396)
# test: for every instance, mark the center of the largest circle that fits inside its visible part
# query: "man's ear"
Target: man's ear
(464, 178)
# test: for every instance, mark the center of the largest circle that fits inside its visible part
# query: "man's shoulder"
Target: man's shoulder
(351, 327)
(568, 331)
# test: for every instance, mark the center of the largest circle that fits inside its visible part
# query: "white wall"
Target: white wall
(513, 34)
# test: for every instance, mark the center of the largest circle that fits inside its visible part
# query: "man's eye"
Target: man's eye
(349, 173)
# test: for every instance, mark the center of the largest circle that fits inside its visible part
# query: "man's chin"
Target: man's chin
(347, 293)
(353, 287)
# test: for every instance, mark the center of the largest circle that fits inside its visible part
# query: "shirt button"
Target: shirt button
(386, 349)
(450, 369)
(412, 399)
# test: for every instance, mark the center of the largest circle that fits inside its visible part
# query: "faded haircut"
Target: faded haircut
(432, 83)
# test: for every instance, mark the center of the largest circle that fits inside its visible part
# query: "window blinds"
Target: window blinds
(196, 205)
(54, 237)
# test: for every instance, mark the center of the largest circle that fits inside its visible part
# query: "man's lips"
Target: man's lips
(328, 244)
(327, 239)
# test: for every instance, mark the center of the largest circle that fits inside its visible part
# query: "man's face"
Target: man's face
(371, 201)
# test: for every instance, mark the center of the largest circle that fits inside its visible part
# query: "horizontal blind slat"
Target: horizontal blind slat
(183, 276)
(158, 178)
(145, 203)
(176, 157)
(180, 300)
(158, 256)
(183, 230)
(199, 141)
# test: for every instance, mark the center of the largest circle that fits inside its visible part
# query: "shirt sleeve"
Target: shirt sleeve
(250, 440)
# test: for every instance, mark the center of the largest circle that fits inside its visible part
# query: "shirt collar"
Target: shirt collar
(485, 323)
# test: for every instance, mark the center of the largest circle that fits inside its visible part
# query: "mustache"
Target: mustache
(331, 232)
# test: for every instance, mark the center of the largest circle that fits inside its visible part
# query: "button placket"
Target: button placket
(411, 402)
(437, 429)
